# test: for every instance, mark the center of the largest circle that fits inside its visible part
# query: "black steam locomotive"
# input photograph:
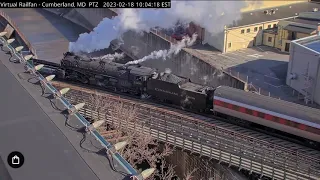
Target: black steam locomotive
(226, 102)
(133, 79)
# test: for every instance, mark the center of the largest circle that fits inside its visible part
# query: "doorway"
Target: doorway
(287, 47)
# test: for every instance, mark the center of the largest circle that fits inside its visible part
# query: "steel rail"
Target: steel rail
(222, 126)
(208, 139)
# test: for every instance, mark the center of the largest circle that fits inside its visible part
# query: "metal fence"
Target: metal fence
(210, 140)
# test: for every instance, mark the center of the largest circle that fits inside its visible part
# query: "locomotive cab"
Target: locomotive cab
(139, 76)
(209, 101)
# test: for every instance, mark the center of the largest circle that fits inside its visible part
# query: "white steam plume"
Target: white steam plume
(106, 31)
(164, 54)
(211, 15)
(111, 57)
(167, 70)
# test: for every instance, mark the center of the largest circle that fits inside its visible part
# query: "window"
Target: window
(260, 28)
(229, 45)
(269, 39)
(242, 31)
(249, 111)
(260, 114)
(235, 107)
(255, 29)
(248, 30)
(269, 26)
(274, 25)
(275, 119)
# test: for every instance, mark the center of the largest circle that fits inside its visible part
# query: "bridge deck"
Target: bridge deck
(48, 33)
(53, 149)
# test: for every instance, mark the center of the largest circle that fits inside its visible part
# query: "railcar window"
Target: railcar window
(293, 124)
(275, 119)
(261, 115)
(249, 111)
(235, 107)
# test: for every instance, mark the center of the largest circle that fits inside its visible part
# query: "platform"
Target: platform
(53, 148)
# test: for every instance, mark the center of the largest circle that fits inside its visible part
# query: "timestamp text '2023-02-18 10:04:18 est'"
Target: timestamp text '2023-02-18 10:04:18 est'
(86, 4)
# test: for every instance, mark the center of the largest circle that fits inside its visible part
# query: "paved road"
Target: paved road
(51, 149)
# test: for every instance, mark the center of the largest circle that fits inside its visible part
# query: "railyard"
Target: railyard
(211, 138)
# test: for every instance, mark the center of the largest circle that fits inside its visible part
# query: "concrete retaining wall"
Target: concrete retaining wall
(20, 39)
(182, 64)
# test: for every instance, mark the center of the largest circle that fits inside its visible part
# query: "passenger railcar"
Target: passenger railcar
(284, 116)
(273, 113)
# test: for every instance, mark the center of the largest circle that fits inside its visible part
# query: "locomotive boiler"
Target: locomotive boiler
(297, 120)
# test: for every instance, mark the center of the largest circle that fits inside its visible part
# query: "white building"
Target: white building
(304, 67)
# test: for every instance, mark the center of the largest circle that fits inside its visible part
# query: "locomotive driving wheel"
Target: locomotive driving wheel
(83, 79)
(76, 77)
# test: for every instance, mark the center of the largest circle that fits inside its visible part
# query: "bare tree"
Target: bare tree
(97, 103)
(141, 147)
(121, 115)
(189, 174)
(166, 172)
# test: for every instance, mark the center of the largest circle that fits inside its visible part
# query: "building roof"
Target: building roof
(311, 42)
(306, 21)
(300, 29)
(281, 12)
(314, 46)
(271, 30)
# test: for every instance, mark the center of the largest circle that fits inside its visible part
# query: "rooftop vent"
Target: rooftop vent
(269, 12)
(315, 9)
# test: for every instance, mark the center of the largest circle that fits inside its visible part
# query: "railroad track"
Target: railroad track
(205, 135)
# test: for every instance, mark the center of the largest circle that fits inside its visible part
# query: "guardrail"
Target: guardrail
(208, 139)
(69, 106)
